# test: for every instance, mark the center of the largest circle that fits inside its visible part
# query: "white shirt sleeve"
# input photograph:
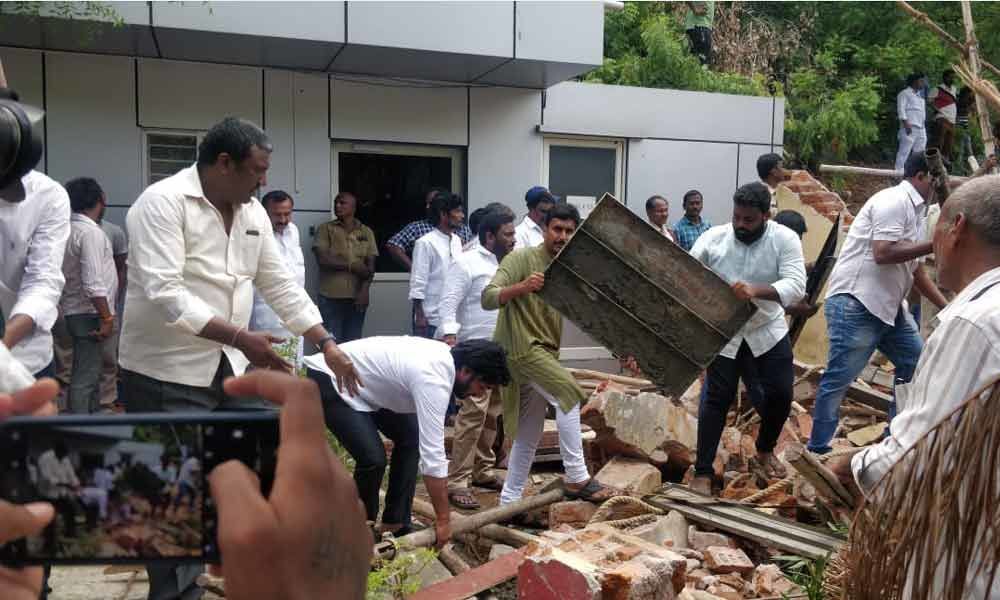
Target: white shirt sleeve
(91, 270)
(156, 261)
(889, 220)
(901, 105)
(431, 393)
(456, 287)
(277, 285)
(791, 269)
(421, 269)
(701, 246)
(43, 281)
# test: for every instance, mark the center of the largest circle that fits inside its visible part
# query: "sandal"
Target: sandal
(593, 492)
(494, 483)
(464, 499)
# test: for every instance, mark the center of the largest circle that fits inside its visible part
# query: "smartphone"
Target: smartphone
(127, 488)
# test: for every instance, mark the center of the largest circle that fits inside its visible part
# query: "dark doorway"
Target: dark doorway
(390, 190)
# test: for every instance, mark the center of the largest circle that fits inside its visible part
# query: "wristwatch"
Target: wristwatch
(323, 341)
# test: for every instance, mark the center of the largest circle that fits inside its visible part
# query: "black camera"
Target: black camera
(20, 138)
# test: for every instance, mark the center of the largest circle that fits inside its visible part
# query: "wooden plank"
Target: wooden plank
(474, 581)
(856, 392)
(816, 280)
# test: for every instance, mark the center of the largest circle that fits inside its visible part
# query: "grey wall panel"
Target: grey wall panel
(91, 119)
(278, 119)
(182, 95)
(23, 69)
(307, 220)
(779, 122)
(312, 142)
(321, 21)
(671, 168)
(505, 151)
(571, 32)
(464, 27)
(399, 113)
(621, 111)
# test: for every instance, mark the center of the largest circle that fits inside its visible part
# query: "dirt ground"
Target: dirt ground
(90, 583)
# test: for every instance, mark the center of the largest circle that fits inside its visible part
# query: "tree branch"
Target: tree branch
(923, 19)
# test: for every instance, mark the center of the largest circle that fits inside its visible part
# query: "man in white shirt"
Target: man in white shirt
(771, 170)
(529, 232)
(961, 357)
(464, 318)
(279, 206)
(34, 227)
(88, 298)
(944, 100)
(658, 211)
(409, 383)
(432, 256)
(198, 244)
(763, 263)
(911, 112)
(864, 309)
(58, 483)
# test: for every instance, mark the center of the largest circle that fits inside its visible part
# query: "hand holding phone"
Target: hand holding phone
(309, 538)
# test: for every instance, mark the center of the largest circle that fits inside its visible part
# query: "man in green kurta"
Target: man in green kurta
(530, 331)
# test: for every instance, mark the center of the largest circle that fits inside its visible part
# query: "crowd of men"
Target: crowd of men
(214, 280)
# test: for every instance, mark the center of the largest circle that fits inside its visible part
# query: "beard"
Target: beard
(749, 236)
(461, 389)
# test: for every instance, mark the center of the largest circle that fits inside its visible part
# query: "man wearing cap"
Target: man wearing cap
(529, 232)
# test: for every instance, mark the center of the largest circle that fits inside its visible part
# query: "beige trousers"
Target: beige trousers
(472, 454)
(62, 346)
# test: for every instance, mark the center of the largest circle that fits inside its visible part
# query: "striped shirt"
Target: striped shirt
(688, 233)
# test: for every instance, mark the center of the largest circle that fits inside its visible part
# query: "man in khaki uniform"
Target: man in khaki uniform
(345, 249)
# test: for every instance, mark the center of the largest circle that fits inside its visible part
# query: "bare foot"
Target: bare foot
(701, 484)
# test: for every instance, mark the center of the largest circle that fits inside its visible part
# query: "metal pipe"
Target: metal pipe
(613, 5)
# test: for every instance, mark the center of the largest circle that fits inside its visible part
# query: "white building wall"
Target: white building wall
(185, 95)
(505, 151)
(570, 32)
(320, 21)
(398, 112)
(91, 120)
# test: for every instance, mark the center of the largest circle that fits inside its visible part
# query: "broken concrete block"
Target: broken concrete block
(632, 476)
(600, 562)
(723, 559)
(689, 553)
(725, 592)
(670, 531)
(702, 540)
(694, 577)
(637, 426)
(498, 550)
(690, 594)
(866, 435)
(736, 582)
(693, 564)
(707, 581)
(576, 513)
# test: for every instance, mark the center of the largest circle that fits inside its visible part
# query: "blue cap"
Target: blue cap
(537, 194)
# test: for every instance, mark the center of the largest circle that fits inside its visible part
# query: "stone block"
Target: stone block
(768, 580)
(725, 592)
(670, 530)
(690, 594)
(632, 476)
(723, 559)
(576, 513)
(702, 540)
(498, 550)
(600, 562)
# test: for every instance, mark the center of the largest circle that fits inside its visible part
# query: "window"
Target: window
(166, 153)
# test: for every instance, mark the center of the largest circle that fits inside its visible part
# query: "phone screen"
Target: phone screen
(129, 488)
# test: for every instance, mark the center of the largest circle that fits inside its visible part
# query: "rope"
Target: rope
(764, 493)
(648, 513)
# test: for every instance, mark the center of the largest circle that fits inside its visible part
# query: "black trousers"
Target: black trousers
(701, 43)
(771, 372)
(358, 432)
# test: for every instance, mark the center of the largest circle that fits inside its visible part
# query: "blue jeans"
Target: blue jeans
(341, 318)
(854, 334)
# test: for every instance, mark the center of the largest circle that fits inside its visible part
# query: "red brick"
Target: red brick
(576, 513)
(722, 559)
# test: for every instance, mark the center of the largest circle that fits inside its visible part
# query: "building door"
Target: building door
(582, 170)
(390, 182)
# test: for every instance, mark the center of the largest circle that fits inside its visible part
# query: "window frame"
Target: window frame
(198, 134)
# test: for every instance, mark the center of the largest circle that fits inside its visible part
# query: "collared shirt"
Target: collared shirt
(528, 234)
(404, 375)
(461, 309)
(56, 476)
(961, 357)
(911, 107)
(33, 236)
(352, 246)
(184, 269)
(119, 247)
(263, 316)
(432, 257)
(776, 260)
(894, 214)
(89, 268)
(666, 232)
(688, 233)
(407, 237)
